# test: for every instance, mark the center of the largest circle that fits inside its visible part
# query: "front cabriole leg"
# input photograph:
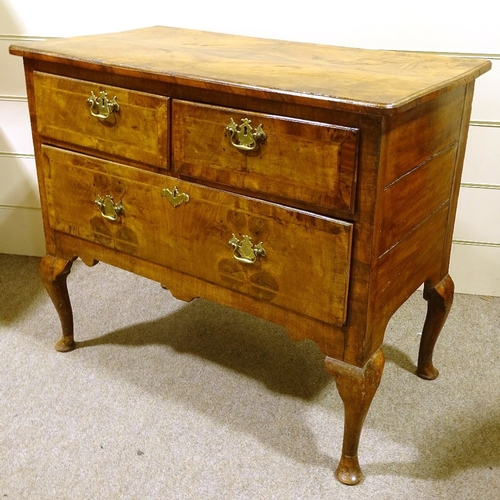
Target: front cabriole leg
(54, 272)
(356, 387)
(439, 300)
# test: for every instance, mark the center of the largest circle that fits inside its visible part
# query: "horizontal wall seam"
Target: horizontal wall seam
(484, 123)
(13, 98)
(18, 207)
(25, 38)
(495, 57)
(475, 185)
(477, 243)
(7, 154)
(475, 55)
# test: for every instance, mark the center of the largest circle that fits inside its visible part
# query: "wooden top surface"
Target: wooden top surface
(362, 80)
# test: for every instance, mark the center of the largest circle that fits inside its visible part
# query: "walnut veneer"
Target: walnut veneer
(313, 186)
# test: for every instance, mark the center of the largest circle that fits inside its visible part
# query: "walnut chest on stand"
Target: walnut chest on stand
(313, 186)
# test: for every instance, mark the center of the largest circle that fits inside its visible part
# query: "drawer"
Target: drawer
(307, 162)
(293, 259)
(74, 183)
(290, 258)
(136, 129)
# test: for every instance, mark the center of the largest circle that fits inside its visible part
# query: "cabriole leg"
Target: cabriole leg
(356, 387)
(439, 300)
(54, 272)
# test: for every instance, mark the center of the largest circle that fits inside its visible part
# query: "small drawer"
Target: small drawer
(118, 122)
(292, 259)
(312, 163)
(104, 202)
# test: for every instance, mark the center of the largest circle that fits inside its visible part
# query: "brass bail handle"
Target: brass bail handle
(244, 137)
(109, 210)
(100, 106)
(245, 251)
(174, 196)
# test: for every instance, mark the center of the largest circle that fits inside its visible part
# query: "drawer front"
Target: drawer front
(311, 163)
(125, 220)
(136, 128)
(290, 258)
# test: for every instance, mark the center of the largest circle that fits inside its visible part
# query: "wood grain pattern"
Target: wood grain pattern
(138, 131)
(186, 287)
(281, 166)
(357, 387)
(402, 269)
(54, 272)
(351, 79)
(439, 301)
(353, 194)
(303, 252)
(415, 136)
(415, 196)
(457, 176)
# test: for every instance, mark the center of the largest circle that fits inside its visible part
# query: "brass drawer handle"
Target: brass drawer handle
(175, 197)
(101, 107)
(108, 208)
(244, 137)
(245, 251)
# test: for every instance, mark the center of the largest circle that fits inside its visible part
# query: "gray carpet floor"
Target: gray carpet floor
(168, 400)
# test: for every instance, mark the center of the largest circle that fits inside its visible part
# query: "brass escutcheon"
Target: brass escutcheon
(101, 107)
(245, 251)
(109, 210)
(175, 197)
(244, 137)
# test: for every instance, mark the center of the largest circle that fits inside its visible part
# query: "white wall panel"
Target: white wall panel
(476, 270)
(478, 215)
(21, 231)
(482, 156)
(12, 80)
(484, 106)
(22, 187)
(430, 25)
(49, 17)
(15, 128)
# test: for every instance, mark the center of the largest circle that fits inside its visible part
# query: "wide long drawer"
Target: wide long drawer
(279, 157)
(89, 116)
(293, 259)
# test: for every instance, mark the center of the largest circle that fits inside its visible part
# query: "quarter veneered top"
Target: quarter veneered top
(362, 80)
